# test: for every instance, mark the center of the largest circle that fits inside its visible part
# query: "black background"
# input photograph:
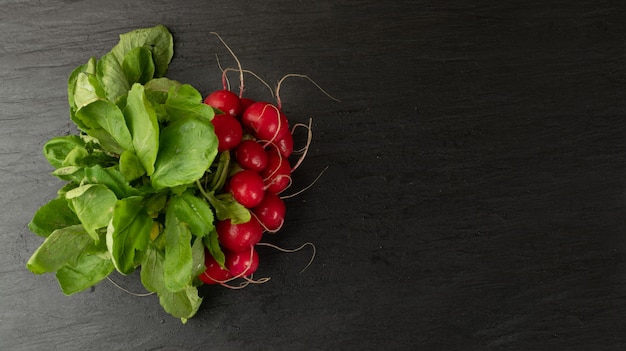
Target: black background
(474, 197)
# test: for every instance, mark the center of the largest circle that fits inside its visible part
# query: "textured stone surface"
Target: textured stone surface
(474, 198)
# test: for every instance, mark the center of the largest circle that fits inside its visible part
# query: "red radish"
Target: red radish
(271, 212)
(238, 237)
(242, 263)
(277, 174)
(214, 273)
(251, 155)
(245, 102)
(266, 121)
(226, 101)
(247, 188)
(228, 131)
(285, 145)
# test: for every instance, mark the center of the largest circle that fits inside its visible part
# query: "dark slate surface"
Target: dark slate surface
(474, 198)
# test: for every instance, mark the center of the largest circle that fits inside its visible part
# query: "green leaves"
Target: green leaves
(182, 102)
(152, 276)
(83, 85)
(182, 304)
(57, 150)
(112, 178)
(157, 39)
(138, 66)
(187, 149)
(128, 233)
(226, 207)
(177, 265)
(64, 246)
(142, 122)
(186, 215)
(88, 270)
(127, 63)
(194, 212)
(133, 194)
(106, 122)
(77, 260)
(54, 215)
(130, 165)
(93, 204)
(170, 271)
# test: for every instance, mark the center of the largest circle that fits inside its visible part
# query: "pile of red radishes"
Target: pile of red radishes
(258, 137)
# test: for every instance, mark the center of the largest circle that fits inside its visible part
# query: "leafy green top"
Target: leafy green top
(133, 194)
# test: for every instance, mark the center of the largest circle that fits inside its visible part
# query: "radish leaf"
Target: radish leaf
(178, 262)
(138, 65)
(185, 101)
(93, 204)
(181, 304)
(128, 232)
(157, 39)
(63, 246)
(197, 252)
(212, 244)
(187, 148)
(152, 276)
(112, 178)
(194, 212)
(54, 215)
(227, 208)
(110, 72)
(57, 149)
(130, 166)
(88, 270)
(105, 121)
(143, 126)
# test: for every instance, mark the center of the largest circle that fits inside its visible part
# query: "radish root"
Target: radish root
(224, 282)
(297, 75)
(236, 60)
(247, 280)
(294, 250)
(225, 81)
(271, 141)
(265, 228)
(309, 138)
(128, 291)
(224, 71)
(307, 187)
(280, 177)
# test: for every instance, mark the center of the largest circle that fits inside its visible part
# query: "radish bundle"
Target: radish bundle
(254, 142)
(161, 179)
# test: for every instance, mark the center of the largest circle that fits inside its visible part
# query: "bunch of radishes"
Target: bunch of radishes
(255, 142)
(258, 137)
(158, 180)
